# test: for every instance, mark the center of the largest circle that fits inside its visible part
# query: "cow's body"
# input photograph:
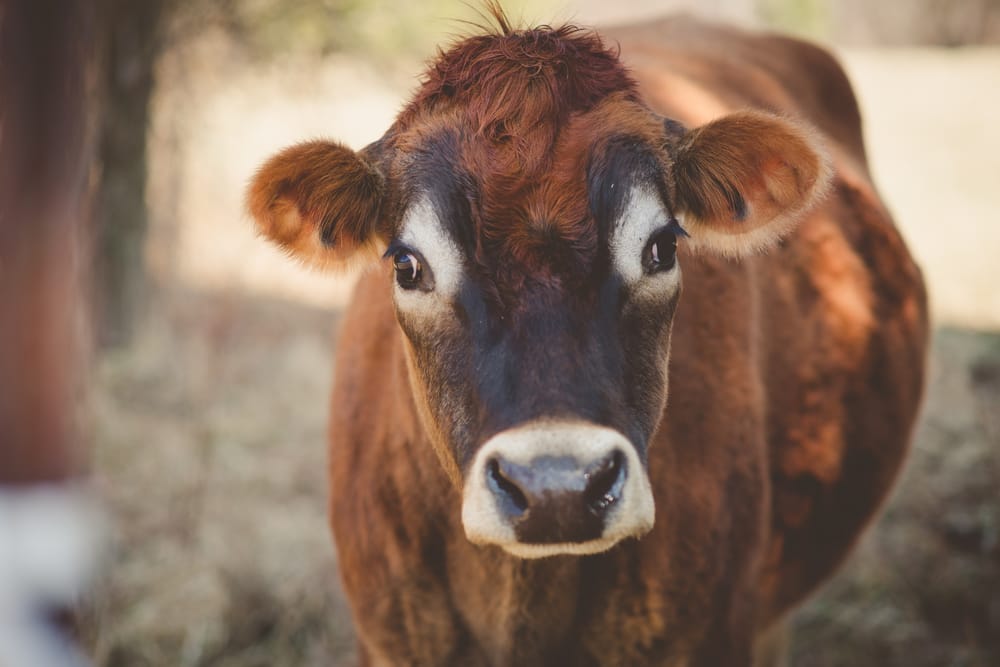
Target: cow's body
(795, 377)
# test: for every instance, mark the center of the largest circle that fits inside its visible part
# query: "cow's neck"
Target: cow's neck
(517, 610)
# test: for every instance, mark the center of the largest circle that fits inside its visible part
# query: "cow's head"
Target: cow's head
(528, 207)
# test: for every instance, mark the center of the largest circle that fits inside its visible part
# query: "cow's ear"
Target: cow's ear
(320, 201)
(744, 180)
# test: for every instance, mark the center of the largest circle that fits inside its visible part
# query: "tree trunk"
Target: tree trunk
(134, 31)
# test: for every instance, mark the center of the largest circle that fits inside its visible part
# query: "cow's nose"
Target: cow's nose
(547, 488)
(556, 499)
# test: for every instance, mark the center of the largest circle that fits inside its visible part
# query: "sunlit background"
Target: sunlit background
(209, 390)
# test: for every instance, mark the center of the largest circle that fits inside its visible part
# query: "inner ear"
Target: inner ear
(744, 180)
(321, 202)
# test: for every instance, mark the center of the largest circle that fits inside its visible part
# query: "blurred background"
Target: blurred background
(207, 391)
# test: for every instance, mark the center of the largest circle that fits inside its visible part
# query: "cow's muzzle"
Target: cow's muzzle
(548, 488)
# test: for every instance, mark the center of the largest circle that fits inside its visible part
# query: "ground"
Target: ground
(209, 432)
(211, 459)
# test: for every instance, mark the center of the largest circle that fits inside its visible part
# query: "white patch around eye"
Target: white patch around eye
(643, 215)
(423, 231)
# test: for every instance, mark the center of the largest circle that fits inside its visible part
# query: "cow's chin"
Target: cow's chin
(530, 551)
(556, 488)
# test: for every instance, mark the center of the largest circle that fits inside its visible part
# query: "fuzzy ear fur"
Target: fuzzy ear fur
(320, 201)
(744, 180)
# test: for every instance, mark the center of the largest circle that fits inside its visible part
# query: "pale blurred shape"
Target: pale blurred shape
(934, 147)
(50, 548)
(605, 12)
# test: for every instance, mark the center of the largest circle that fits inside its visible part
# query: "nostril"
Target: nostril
(604, 483)
(505, 488)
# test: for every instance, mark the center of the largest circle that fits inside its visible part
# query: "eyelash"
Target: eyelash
(674, 226)
(411, 275)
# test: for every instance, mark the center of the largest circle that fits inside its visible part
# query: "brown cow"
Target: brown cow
(511, 485)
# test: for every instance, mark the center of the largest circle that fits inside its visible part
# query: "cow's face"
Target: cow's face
(539, 363)
(537, 311)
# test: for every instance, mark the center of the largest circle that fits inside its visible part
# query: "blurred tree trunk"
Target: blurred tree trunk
(48, 109)
(135, 36)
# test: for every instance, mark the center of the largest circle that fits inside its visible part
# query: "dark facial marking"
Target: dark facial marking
(435, 170)
(612, 174)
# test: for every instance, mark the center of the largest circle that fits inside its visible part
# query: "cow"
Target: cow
(541, 452)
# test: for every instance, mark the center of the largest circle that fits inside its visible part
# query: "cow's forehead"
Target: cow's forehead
(512, 83)
(540, 218)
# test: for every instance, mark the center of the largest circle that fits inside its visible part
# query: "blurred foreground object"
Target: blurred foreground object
(48, 525)
(48, 550)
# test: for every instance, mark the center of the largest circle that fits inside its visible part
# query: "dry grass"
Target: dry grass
(212, 461)
(210, 457)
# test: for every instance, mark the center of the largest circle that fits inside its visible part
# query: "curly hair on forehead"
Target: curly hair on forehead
(514, 93)
(505, 74)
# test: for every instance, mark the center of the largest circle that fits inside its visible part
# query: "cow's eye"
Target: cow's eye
(408, 270)
(661, 253)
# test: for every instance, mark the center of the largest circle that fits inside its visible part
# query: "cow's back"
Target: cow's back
(818, 344)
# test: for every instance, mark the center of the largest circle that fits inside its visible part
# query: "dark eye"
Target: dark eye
(408, 271)
(661, 253)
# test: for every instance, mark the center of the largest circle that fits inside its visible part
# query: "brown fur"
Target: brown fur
(729, 156)
(319, 201)
(795, 376)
